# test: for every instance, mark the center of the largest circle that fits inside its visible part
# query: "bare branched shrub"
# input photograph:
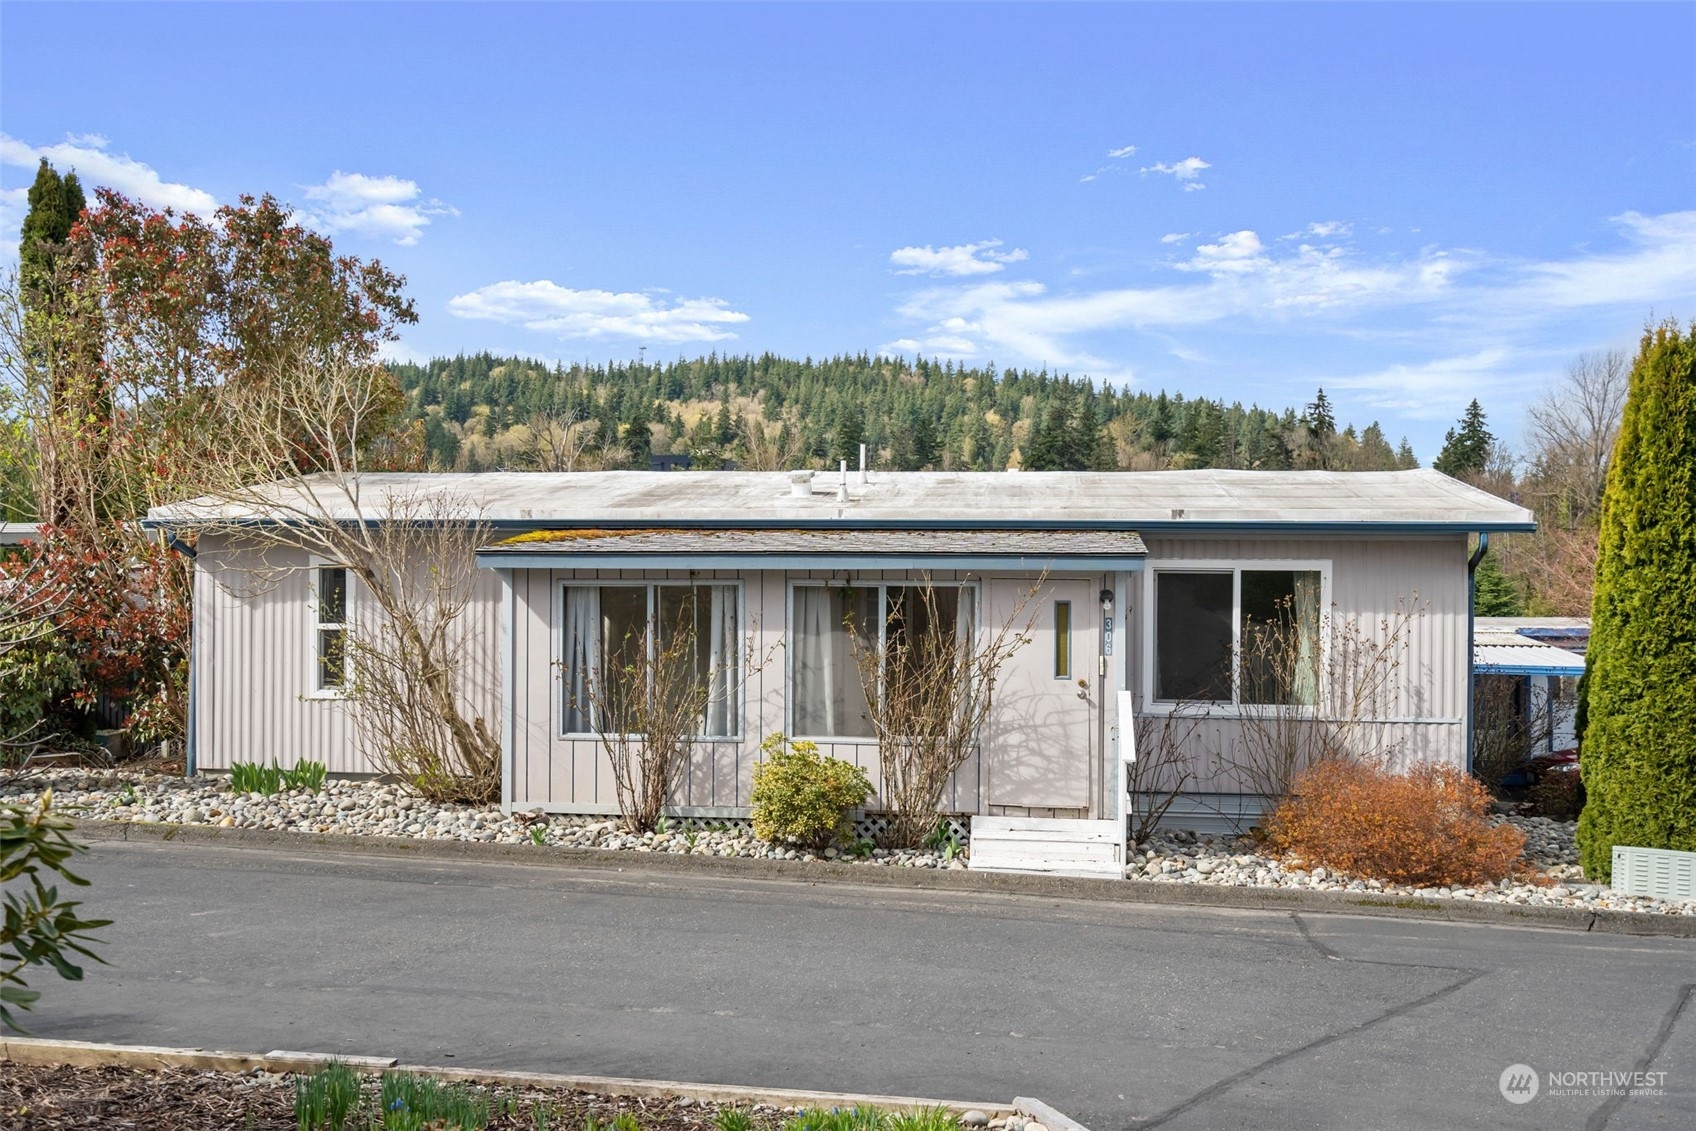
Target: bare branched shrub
(930, 684)
(1316, 693)
(1506, 733)
(1164, 767)
(647, 704)
(414, 720)
(301, 437)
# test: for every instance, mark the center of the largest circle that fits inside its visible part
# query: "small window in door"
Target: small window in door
(1062, 640)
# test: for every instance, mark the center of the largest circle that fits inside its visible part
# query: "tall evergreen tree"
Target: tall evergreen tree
(1493, 594)
(55, 203)
(1639, 760)
(1466, 447)
(1320, 417)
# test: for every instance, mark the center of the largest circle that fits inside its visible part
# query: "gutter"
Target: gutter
(1471, 618)
(1181, 526)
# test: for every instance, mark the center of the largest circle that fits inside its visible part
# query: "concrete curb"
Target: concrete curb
(89, 1054)
(923, 879)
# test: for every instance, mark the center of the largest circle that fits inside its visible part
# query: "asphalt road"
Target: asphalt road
(1120, 1015)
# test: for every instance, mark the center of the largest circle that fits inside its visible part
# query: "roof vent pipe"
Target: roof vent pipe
(842, 484)
(863, 478)
(801, 484)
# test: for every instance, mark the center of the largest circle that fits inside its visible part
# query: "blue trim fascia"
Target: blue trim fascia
(1525, 669)
(562, 560)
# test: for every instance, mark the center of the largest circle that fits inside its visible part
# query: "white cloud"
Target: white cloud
(1186, 172)
(1174, 237)
(1122, 152)
(1430, 390)
(548, 308)
(1659, 266)
(1327, 229)
(379, 207)
(89, 156)
(1236, 254)
(979, 258)
(1494, 316)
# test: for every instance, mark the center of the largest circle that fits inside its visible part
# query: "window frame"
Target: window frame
(316, 689)
(1233, 707)
(652, 585)
(883, 587)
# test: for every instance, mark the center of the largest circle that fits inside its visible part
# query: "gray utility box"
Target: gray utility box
(1664, 873)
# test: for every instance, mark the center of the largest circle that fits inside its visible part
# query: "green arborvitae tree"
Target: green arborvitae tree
(1639, 760)
(55, 203)
(1466, 449)
(1493, 595)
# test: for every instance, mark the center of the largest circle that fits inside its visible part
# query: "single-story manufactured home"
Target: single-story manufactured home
(1138, 591)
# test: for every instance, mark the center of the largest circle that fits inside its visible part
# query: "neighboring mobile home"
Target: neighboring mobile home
(1138, 585)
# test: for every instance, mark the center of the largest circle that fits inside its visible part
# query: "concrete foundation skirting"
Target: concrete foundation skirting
(867, 875)
(88, 1054)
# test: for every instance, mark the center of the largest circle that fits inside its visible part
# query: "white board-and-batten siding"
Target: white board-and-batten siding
(1370, 580)
(254, 642)
(254, 653)
(572, 773)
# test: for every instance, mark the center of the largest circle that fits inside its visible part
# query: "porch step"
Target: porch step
(1050, 846)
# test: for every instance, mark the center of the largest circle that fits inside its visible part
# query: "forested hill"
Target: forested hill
(767, 413)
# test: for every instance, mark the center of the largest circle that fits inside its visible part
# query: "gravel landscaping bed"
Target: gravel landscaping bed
(1550, 852)
(370, 808)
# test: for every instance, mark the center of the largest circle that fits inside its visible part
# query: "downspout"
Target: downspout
(189, 745)
(1471, 603)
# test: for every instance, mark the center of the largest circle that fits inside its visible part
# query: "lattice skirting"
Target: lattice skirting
(870, 826)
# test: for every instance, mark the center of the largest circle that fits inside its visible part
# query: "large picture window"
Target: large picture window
(606, 629)
(1238, 635)
(835, 626)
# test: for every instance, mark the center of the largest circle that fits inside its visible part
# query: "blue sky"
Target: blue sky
(1410, 206)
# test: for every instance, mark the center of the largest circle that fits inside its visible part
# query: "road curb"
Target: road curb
(922, 879)
(90, 1054)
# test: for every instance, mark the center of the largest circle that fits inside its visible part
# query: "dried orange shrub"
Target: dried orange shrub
(1425, 827)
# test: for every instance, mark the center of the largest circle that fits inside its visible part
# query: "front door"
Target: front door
(1042, 731)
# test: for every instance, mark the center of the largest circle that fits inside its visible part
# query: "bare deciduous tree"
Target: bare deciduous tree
(1572, 433)
(770, 448)
(299, 441)
(930, 684)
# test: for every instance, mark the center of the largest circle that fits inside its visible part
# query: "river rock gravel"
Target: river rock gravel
(374, 808)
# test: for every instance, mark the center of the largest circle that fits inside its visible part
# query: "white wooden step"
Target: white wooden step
(1052, 846)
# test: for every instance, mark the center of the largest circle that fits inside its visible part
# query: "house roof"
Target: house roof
(649, 548)
(1419, 501)
(1502, 650)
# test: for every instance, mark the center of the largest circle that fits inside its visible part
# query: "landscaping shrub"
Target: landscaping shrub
(1557, 793)
(803, 798)
(1426, 827)
(1639, 747)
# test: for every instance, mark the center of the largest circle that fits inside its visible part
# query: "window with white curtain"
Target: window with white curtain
(1238, 635)
(835, 626)
(603, 624)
